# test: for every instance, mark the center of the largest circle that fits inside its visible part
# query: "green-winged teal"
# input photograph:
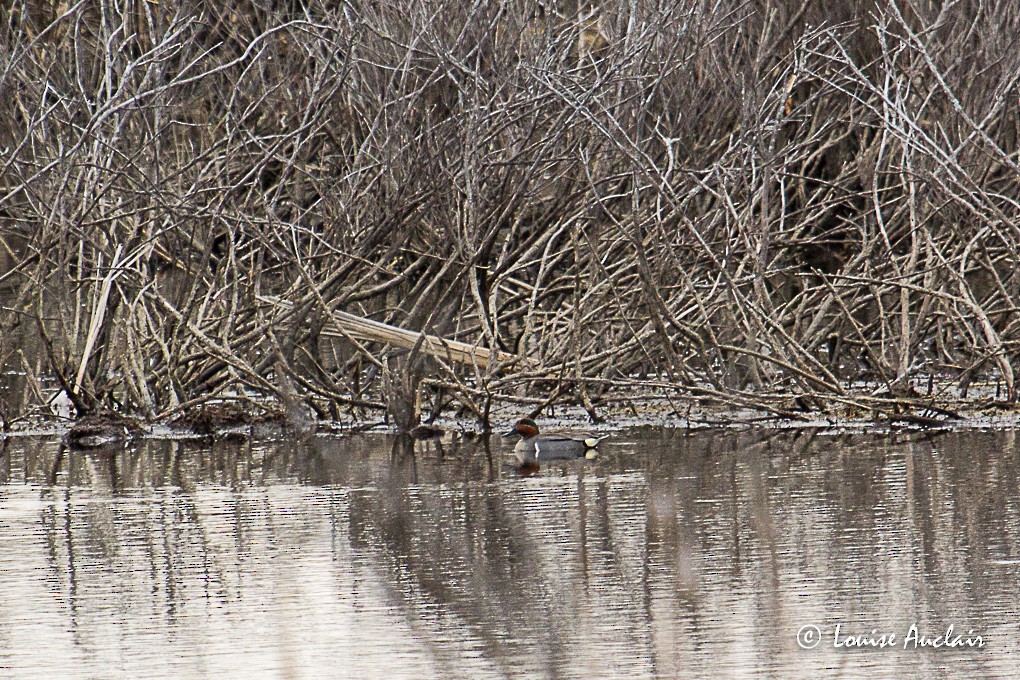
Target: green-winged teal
(553, 444)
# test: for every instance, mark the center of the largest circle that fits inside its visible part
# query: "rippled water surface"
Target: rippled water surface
(671, 555)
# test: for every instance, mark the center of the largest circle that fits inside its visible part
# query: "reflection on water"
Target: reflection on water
(672, 555)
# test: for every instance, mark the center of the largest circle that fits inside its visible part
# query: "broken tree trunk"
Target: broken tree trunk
(346, 325)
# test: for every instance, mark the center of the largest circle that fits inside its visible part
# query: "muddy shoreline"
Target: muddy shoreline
(238, 420)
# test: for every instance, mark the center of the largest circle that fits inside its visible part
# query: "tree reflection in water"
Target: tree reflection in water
(671, 554)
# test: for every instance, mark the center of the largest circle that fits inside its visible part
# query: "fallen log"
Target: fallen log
(346, 325)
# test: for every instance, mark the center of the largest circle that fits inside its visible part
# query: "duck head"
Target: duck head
(526, 427)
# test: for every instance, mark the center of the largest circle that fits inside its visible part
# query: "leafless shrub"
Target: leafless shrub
(739, 201)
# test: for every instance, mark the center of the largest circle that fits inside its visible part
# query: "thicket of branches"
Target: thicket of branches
(740, 200)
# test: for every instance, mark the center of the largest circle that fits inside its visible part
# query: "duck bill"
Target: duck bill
(510, 433)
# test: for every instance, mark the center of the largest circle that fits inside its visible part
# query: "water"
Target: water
(672, 555)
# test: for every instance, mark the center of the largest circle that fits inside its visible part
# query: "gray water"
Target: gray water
(671, 555)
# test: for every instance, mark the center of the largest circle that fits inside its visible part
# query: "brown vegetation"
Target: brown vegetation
(742, 201)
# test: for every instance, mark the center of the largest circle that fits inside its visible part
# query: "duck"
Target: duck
(553, 444)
